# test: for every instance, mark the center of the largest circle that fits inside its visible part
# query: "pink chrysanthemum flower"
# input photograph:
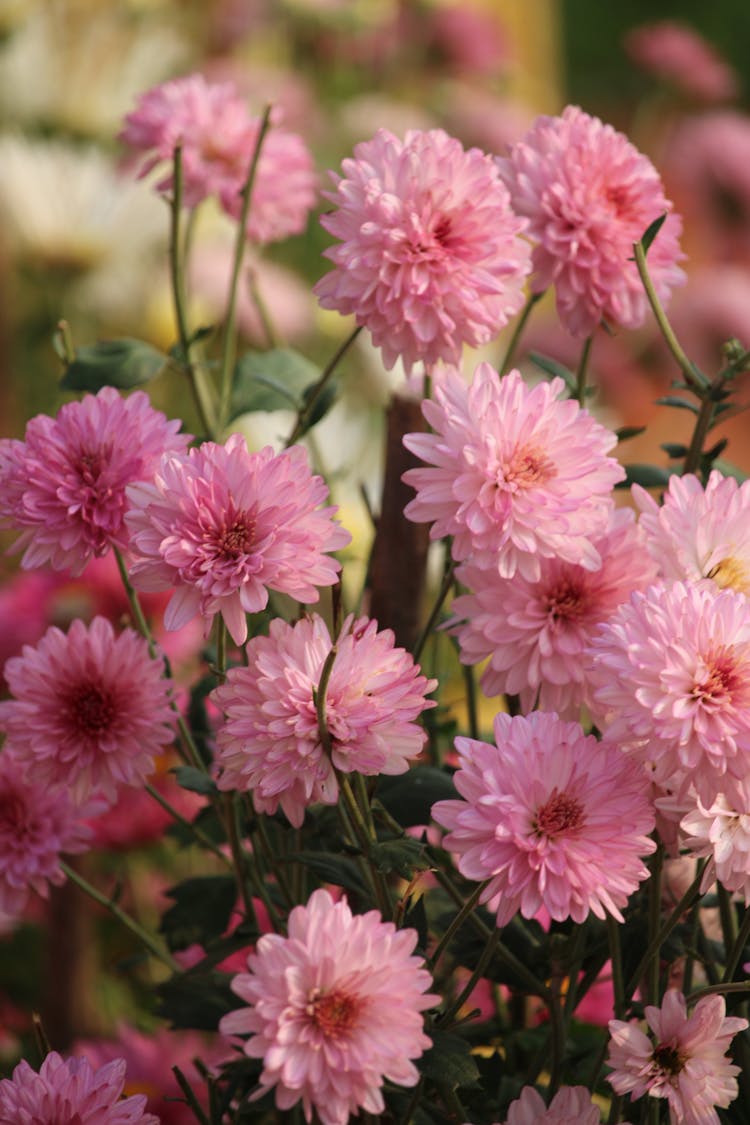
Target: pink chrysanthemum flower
(90, 709)
(429, 256)
(687, 1063)
(571, 1105)
(270, 742)
(516, 475)
(700, 533)
(677, 54)
(533, 634)
(669, 678)
(721, 833)
(334, 1009)
(70, 1090)
(551, 818)
(64, 486)
(588, 195)
(221, 526)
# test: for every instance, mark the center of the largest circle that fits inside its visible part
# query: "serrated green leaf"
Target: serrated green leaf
(554, 369)
(679, 403)
(651, 232)
(195, 780)
(202, 908)
(403, 856)
(123, 363)
(409, 797)
(273, 380)
(449, 1062)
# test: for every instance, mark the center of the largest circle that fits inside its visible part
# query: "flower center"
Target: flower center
(559, 814)
(90, 466)
(333, 1013)
(720, 680)
(566, 602)
(526, 468)
(91, 708)
(668, 1058)
(237, 539)
(731, 572)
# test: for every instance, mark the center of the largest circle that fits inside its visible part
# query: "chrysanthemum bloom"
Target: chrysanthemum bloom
(677, 54)
(70, 1090)
(334, 1009)
(64, 486)
(429, 256)
(571, 1105)
(721, 833)
(550, 817)
(221, 526)
(90, 709)
(588, 195)
(516, 474)
(669, 678)
(270, 741)
(700, 533)
(687, 1063)
(534, 633)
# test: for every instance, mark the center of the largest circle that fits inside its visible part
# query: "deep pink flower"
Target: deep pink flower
(516, 474)
(270, 743)
(669, 676)
(677, 54)
(333, 1010)
(551, 817)
(571, 1105)
(721, 833)
(64, 486)
(222, 526)
(90, 709)
(588, 195)
(70, 1090)
(687, 1063)
(429, 256)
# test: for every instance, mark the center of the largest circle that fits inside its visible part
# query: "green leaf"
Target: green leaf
(195, 780)
(674, 449)
(202, 908)
(554, 369)
(625, 433)
(648, 476)
(404, 856)
(409, 797)
(321, 407)
(679, 403)
(273, 380)
(449, 1062)
(651, 232)
(121, 363)
(333, 869)
(196, 999)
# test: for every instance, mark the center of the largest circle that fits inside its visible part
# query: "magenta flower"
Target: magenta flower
(429, 256)
(90, 709)
(70, 1090)
(221, 526)
(333, 1010)
(571, 1105)
(269, 742)
(64, 486)
(687, 1063)
(588, 195)
(516, 475)
(549, 818)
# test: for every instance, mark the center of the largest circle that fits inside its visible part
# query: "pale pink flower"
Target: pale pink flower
(669, 678)
(588, 195)
(516, 474)
(721, 833)
(551, 817)
(70, 1090)
(64, 486)
(269, 742)
(90, 709)
(429, 256)
(533, 634)
(687, 1063)
(221, 526)
(571, 1105)
(333, 1010)
(677, 54)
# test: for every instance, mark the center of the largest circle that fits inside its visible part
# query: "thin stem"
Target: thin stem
(479, 970)
(413, 1102)
(363, 838)
(727, 917)
(724, 988)
(455, 925)
(702, 426)
(317, 390)
(737, 948)
(194, 830)
(435, 612)
(582, 371)
(518, 330)
(319, 699)
(615, 953)
(190, 1097)
(262, 309)
(654, 914)
(692, 378)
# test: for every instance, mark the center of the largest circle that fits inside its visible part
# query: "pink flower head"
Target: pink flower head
(70, 1090)
(588, 195)
(571, 1105)
(551, 817)
(333, 1010)
(516, 475)
(429, 256)
(687, 1063)
(677, 54)
(721, 833)
(90, 709)
(64, 486)
(669, 676)
(270, 742)
(222, 526)
(534, 633)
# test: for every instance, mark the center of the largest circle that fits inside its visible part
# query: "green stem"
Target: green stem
(194, 830)
(724, 988)
(582, 371)
(317, 390)
(737, 948)
(654, 914)
(455, 925)
(479, 970)
(692, 376)
(702, 426)
(190, 1097)
(615, 953)
(435, 612)
(515, 339)
(262, 310)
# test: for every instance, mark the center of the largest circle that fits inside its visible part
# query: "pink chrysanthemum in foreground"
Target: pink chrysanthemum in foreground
(429, 256)
(90, 709)
(333, 1010)
(221, 526)
(677, 54)
(588, 195)
(721, 833)
(270, 741)
(669, 677)
(64, 486)
(70, 1090)
(533, 634)
(551, 817)
(687, 1063)
(516, 474)
(571, 1105)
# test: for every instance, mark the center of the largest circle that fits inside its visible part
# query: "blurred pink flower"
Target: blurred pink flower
(571, 1105)
(70, 1090)
(333, 1010)
(269, 742)
(90, 709)
(551, 817)
(137, 819)
(467, 37)
(516, 475)
(64, 486)
(588, 195)
(221, 526)
(675, 53)
(687, 1064)
(721, 833)
(429, 256)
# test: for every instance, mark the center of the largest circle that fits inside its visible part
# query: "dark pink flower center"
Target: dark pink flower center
(721, 682)
(333, 1013)
(90, 466)
(559, 814)
(668, 1058)
(527, 468)
(90, 708)
(236, 539)
(566, 601)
